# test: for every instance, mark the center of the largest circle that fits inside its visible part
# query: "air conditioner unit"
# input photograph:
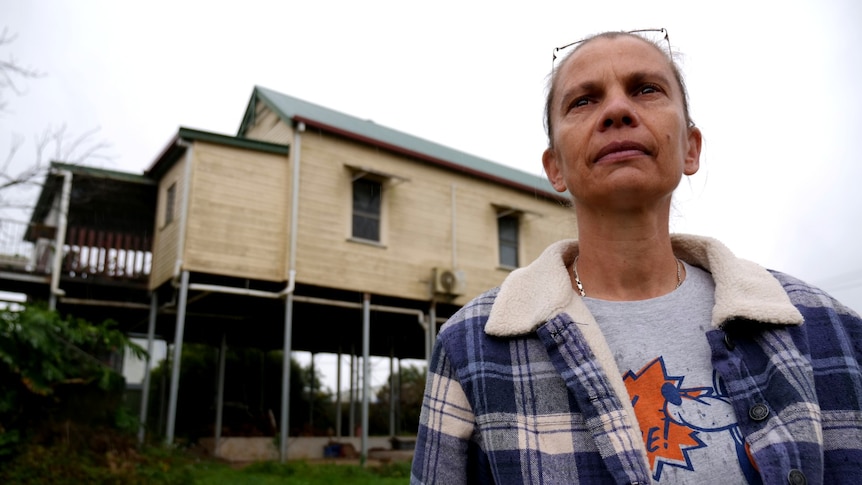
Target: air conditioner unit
(448, 281)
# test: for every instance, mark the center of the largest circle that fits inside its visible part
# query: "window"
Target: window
(367, 195)
(368, 207)
(170, 203)
(507, 231)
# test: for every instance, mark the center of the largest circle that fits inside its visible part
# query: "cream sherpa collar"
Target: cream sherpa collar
(533, 294)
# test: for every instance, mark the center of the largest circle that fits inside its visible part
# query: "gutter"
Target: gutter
(60, 241)
(184, 210)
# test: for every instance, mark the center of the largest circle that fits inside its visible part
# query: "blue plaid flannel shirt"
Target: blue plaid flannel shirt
(522, 387)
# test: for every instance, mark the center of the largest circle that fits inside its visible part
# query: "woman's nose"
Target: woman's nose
(619, 112)
(625, 120)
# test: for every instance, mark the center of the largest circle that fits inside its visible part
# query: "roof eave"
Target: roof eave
(174, 149)
(52, 184)
(426, 158)
(263, 95)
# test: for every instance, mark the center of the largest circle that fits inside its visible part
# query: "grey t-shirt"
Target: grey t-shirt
(688, 425)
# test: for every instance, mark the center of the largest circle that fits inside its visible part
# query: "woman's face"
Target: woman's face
(620, 138)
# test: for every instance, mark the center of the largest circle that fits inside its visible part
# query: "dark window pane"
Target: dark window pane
(366, 209)
(170, 202)
(508, 238)
(508, 256)
(366, 228)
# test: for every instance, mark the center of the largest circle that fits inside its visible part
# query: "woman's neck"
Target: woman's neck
(625, 258)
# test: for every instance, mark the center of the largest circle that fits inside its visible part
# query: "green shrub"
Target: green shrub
(54, 369)
(61, 464)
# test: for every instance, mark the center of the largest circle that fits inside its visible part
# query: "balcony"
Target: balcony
(89, 256)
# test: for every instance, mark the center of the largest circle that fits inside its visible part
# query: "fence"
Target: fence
(91, 252)
(15, 252)
(86, 253)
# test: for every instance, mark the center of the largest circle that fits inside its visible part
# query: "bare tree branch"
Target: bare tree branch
(53, 144)
(11, 72)
(17, 141)
(82, 148)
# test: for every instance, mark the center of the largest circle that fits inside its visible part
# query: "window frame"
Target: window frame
(387, 181)
(509, 245)
(170, 204)
(359, 212)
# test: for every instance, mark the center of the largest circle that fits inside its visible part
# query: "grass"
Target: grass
(64, 465)
(301, 473)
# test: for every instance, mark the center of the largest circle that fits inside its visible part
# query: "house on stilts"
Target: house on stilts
(309, 230)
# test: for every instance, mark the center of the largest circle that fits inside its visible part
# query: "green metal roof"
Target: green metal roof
(95, 172)
(116, 199)
(261, 146)
(292, 109)
(53, 182)
(175, 150)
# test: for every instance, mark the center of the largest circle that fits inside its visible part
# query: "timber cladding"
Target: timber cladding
(419, 203)
(431, 216)
(238, 213)
(166, 234)
(268, 127)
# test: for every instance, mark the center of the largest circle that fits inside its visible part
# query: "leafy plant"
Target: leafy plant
(57, 368)
(410, 386)
(120, 462)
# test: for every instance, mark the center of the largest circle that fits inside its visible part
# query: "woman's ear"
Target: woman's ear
(692, 157)
(552, 170)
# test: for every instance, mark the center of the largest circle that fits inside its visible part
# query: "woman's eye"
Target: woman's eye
(579, 102)
(648, 89)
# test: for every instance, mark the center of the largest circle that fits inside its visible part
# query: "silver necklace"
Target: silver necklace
(581, 285)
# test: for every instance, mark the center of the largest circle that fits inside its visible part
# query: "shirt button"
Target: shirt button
(758, 412)
(796, 477)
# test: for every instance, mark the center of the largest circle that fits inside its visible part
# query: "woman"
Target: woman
(632, 355)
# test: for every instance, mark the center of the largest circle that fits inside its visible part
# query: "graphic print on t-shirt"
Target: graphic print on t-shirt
(673, 418)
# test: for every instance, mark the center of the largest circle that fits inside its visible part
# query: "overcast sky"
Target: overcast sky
(775, 87)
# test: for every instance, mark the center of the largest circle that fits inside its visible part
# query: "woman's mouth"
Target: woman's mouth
(620, 150)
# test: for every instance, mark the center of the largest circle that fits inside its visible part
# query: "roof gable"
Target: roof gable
(292, 110)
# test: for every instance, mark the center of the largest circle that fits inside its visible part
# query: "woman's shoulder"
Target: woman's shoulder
(473, 314)
(809, 298)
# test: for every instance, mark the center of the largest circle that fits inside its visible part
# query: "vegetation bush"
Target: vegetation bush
(300, 472)
(62, 419)
(54, 371)
(411, 390)
(96, 455)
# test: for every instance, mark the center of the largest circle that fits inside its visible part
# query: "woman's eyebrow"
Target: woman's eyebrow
(632, 78)
(642, 76)
(578, 89)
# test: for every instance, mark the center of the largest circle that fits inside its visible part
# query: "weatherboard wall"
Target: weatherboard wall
(417, 219)
(268, 127)
(237, 218)
(166, 234)
(432, 217)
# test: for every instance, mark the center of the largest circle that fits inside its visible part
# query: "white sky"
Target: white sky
(774, 86)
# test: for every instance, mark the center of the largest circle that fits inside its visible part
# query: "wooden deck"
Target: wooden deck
(96, 264)
(107, 254)
(87, 253)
